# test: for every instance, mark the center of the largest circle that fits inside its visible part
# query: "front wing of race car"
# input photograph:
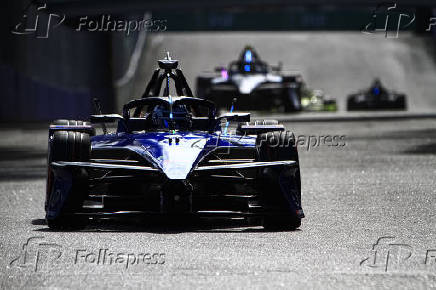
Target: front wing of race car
(283, 95)
(364, 102)
(222, 188)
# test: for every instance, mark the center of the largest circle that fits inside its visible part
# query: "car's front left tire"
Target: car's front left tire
(67, 146)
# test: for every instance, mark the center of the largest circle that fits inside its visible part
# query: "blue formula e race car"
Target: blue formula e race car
(376, 98)
(173, 156)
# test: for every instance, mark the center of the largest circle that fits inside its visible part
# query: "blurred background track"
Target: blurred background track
(337, 62)
(47, 78)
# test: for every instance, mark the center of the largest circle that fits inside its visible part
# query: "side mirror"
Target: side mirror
(236, 117)
(108, 118)
(219, 69)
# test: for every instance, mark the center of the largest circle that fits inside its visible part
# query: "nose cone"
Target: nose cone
(246, 84)
(179, 158)
(174, 154)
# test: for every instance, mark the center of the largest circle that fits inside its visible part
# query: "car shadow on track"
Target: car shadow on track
(163, 226)
(429, 149)
(23, 163)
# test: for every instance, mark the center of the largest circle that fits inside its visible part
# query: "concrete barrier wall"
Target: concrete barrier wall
(47, 78)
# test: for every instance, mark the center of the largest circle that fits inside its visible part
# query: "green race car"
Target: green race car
(316, 100)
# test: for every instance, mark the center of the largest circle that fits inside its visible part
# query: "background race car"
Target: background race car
(376, 97)
(255, 84)
(316, 100)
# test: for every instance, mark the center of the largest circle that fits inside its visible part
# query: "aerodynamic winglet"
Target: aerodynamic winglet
(248, 165)
(102, 166)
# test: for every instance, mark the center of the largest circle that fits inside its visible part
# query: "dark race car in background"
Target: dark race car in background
(377, 97)
(255, 84)
(173, 156)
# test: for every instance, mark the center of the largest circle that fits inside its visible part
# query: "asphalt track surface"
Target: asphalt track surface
(370, 223)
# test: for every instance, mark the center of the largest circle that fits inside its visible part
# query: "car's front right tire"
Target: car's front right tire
(280, 187)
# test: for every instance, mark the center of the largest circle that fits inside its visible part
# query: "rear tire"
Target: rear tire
(401, 102)
(203, 87)
(352, 105)
(68, 146)
(281, 187)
